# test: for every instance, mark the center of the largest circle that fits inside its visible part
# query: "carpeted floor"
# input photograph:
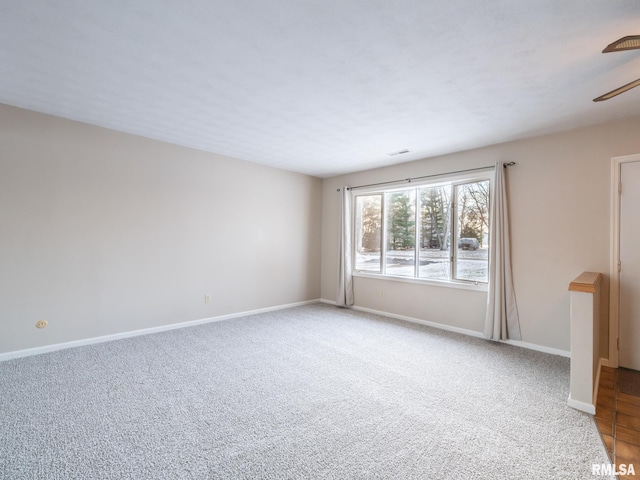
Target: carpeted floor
(309, 392)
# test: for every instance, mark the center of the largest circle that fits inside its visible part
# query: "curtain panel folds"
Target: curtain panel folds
(345, 271)
(502, 320)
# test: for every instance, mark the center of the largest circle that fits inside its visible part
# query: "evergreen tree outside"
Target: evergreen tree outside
(401, 223)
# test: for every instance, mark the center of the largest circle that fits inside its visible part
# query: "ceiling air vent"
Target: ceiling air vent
(399, 152)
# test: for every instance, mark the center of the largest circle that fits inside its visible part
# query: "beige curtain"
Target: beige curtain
(345, 278)
(502, 320)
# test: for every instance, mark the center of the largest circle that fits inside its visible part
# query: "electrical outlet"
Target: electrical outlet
(41, 324)
(207, 299)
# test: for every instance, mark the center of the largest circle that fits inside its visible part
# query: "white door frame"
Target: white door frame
(614, 276)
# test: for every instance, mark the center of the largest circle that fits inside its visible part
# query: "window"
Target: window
(437, 231)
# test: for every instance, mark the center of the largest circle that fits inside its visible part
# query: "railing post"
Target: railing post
(585, 310)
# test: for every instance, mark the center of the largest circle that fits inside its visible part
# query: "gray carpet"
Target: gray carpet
(309, 392)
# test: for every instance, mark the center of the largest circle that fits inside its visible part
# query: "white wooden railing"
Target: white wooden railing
(585, 325)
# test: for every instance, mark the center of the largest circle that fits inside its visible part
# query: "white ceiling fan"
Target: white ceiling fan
(631, 42)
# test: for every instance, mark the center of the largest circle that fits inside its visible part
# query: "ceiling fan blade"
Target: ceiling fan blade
(631, 42)
(617, 91)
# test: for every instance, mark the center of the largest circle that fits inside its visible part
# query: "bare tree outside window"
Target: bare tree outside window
(472, 219)
(368, 239)
(435, 223)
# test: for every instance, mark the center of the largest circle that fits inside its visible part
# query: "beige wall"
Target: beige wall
(559, 195)
(104, 232)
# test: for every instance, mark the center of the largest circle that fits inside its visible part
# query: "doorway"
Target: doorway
(624, 328)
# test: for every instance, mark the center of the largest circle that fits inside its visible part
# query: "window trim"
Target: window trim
(453, 181)
(462, 285)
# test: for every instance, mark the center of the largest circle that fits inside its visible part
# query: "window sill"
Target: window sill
(481, 287)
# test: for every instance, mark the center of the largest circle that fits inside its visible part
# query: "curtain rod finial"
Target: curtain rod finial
(509, 164)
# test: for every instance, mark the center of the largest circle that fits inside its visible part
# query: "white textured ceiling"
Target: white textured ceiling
(321, 86)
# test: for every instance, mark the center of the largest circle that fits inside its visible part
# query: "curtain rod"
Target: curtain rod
(409, 180)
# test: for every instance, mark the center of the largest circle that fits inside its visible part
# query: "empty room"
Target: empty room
(319, 239)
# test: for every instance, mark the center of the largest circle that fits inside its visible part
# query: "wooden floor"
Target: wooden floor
(618, 419)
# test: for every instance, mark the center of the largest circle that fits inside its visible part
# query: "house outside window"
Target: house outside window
(430, 231)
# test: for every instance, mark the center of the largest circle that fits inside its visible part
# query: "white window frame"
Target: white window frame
(453, 181)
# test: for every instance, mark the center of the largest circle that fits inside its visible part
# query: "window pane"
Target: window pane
(472, 231)
(401, 233)
(368, 233)
(435, 232)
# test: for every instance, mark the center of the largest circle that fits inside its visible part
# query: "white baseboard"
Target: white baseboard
(449, 328)
(582, 406)
(441, 326)
(538, 348)
(145, 331)
(606, 363)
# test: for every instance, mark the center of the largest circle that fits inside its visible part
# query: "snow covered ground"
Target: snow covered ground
(435, 264)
